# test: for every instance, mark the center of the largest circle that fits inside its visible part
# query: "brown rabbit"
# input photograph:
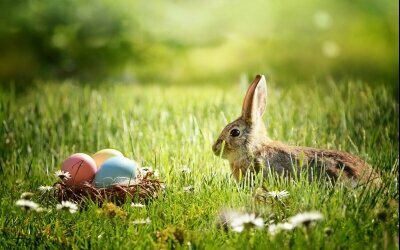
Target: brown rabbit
(244, 142)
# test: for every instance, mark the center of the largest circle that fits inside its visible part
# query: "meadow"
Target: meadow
(171, 128)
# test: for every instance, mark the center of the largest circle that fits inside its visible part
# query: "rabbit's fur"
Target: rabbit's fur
(249, 150)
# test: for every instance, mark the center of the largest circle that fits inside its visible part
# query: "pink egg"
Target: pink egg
(81, 167)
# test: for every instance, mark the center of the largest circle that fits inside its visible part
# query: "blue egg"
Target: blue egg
(116, 170)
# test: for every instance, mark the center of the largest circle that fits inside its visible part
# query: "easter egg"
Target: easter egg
(105, 154)
(81, 167)
(116, 170)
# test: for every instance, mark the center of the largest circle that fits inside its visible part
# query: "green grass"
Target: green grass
(169, 127)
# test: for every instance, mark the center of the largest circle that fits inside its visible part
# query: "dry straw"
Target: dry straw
(145, 188)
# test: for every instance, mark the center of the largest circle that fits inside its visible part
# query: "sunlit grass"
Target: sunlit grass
(172, 129)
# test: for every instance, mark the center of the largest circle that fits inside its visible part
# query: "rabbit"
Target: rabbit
(245, 144)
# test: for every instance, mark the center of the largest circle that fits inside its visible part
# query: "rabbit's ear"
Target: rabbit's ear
(255, 100)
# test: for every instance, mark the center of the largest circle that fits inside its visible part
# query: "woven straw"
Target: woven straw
(144, 189)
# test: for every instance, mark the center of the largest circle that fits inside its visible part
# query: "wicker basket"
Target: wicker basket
(144, 189)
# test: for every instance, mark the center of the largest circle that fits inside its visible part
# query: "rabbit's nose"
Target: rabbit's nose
(216, 146)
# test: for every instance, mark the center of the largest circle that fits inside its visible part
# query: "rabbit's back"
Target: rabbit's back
(291, 160)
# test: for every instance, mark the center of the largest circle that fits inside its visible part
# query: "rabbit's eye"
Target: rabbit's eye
(235, 132)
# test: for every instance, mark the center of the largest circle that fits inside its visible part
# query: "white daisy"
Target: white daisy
(276, 228)
(246, 221)
(27, 204)
(188, 189)
(225, 217)
(138, 205)
(305, 218)
(278, 194)
(62, 175)
(141, 221)
(295, 221)
(26, 195)
(45, 189)
(67, 206)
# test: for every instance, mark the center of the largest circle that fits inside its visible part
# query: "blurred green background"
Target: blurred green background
(199, 41)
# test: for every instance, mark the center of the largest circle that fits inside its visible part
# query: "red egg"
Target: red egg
(81, 167)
